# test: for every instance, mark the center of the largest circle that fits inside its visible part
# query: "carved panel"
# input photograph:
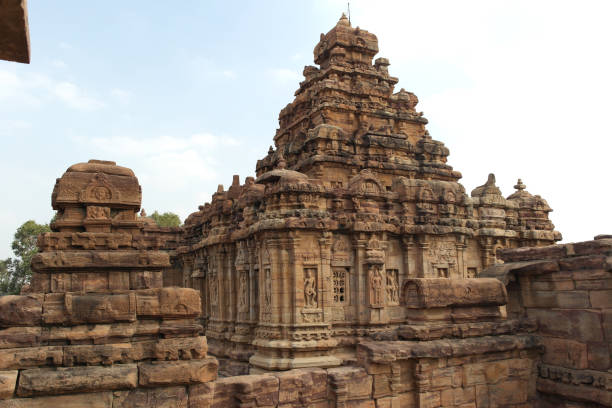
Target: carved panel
(310, 288)
(392, 286)
(376, 286)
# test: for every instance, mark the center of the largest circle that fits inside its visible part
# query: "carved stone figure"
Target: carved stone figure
(243, 294)
(392, 287)
(310, 289)
(376, 286)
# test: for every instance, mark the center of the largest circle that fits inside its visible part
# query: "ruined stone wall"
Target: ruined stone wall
(97, 329)
(566, 290)
(397, 375)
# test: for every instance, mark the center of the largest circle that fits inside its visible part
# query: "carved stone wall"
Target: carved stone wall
(354, 198)
(567, 291)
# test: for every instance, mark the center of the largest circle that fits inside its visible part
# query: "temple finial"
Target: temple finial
(519, 185)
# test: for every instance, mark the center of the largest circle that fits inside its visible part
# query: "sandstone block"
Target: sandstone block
(352, 380)
(302, 385)
(20, 310)
(583, 262)
(179, 302)
(360, 404)
(89, 400)
(580, 325)
(564, 352)
(457, 396)
(107, 354)
(8, 380)
(62, 380)
(201, 395)
(508, 392)
(573, 392)
(429, 399)
(26, 357)
(181, 348)
(574, 299)
(601, 299)
(89, 308)
(600, 356)
(163, 373)
(441, 292)
(20, 337)
(165, 397)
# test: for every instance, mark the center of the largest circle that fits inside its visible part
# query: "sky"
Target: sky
(188, 94)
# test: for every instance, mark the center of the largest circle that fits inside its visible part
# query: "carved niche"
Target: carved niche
(376, 286)
(95, 212)
(99, 190)
(392, 287)
(310, 288)
(442, 256)
(243, 292)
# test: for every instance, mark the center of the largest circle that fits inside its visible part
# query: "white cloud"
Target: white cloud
(57, 63)
(202, 67)
(74, 97)
(34, 89)
(65, 46)
(121, 95)
(284, 75)
(228, 74)
(172, 162)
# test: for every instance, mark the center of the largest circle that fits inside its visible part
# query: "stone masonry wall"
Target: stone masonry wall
(567, 291)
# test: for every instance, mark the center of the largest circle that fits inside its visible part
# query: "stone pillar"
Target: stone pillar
(361, 281)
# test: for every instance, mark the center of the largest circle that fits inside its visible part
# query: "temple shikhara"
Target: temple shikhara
(353, 271)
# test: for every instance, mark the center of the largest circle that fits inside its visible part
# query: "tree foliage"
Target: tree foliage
(16, 272)
(166, 219)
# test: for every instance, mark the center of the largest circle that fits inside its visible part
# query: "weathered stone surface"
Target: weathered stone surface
(89, 400)
(166, 397)
(43, 381)
(8, 380)
(162, 373)
(20, 310)
(302, 386)
(20, 337)
(440, 292)
(14, 32)
(201, 395)
(26, 357)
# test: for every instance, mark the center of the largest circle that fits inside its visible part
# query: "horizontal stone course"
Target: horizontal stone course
(45, 381)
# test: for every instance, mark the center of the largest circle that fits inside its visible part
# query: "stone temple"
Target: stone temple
(354, 271)
(356, 197)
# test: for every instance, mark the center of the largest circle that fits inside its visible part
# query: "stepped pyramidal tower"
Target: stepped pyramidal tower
(355, 197)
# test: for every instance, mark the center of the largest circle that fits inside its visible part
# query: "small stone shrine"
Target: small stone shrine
(97, 323)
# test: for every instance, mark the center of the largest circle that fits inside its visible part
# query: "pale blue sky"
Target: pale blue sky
(188, 93)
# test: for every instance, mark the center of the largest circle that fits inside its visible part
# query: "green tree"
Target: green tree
(16, 272)
(166, 219)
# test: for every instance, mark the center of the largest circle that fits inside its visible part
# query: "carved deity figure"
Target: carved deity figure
(267, 291)
(376, 286)
(101, 193)
(310, 289)
(98, 213)
(243, 293)
(392, 287)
